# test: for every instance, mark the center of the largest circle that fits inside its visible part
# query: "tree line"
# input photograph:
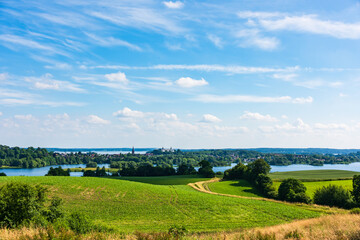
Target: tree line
(40, 157)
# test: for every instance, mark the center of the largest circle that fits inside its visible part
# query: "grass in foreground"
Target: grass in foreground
(238, 188)
(126, 206)
(332, 227)
(314, 175)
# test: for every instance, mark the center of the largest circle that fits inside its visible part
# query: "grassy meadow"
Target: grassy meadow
(314, 175)
(238, 188)
(312, 179)
(166, 180)
(126, 206)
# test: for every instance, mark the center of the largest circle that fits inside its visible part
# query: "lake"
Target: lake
(295, 167)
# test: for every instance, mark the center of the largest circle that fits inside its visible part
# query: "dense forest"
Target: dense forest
(40, 157)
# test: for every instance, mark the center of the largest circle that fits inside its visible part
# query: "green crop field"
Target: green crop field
(166, 180)
(125, 206)
(311, 175)
(238, 187)
(312, 186)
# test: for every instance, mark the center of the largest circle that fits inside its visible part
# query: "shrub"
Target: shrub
(58, 172)
(206, 169)
(177, 232)
(22, 203)
(2, 174)
(356, 189)
(293, 190)
(79, 223)
(237, 172)
(264, 184)
(333, 195)
(355, 211)
(91, 165)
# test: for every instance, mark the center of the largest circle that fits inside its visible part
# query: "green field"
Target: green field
(314, 175)
(312, 186)
(166, 180)
(125, 206)
(238, 187)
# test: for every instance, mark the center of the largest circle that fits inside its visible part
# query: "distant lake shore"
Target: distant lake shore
(294, 167)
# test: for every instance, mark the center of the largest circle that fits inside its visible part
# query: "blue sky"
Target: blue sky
(182, 74)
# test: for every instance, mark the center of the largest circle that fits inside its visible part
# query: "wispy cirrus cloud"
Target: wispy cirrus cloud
(275, 21)
(46, 82)
(111, 42)
(207, 98)
(15, 41)
(234, 69)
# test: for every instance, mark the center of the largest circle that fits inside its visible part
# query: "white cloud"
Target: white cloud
(215, 40)
(117, 77)
(253, 38)
(1, 114)
(47, 82)
(27, 117)
(332, 126)
(4, 76)
(258, 116)
(298, 126)
(251, 14)
(210, 118)
(14, 97)
(24, 42)
(174, 5)
(128, 113)
(188, 82)
(285, 77)
(111, 42)
(59, 66)
(207, 98)
(233, 69)
(303, 100)
(274, 21)
(96, 120)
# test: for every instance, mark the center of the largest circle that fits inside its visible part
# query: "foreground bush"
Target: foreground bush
(22, 203)
(79, 223)
(333, 196)
(293, 190)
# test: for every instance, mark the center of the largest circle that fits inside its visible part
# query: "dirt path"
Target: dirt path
(203, 186)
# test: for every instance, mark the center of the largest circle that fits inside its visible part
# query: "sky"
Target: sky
(181, 74)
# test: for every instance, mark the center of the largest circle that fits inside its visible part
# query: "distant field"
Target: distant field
(312, 186)
(239, 188)
(166, 180)
(314, 175)
(126, 206)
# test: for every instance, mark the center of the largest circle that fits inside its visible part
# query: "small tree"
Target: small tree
(259, 166)
(58, 172)
(356, 189)
(91, 165)
(293, 190)
(206, 169)
(237, 172)
(333, 195)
